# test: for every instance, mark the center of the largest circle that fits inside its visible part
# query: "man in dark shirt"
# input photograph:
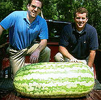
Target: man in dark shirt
(78, 41)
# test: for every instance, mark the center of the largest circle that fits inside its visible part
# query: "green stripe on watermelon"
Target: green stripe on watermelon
(54, 80)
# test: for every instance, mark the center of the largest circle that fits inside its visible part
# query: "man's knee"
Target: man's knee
(58, 57)
(45, 55)
(47, 50)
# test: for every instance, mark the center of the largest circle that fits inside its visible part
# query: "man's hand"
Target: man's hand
(74, 60)
(35, 56)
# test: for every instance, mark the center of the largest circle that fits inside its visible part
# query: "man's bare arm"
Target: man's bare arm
(91, 58)
(65, 52)
(35, 55)
(1, 30)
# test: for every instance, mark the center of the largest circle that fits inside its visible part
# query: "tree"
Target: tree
(5, 9)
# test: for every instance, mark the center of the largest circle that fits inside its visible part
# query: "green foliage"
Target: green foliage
(17, 4)
(5, 9)
(24, 6)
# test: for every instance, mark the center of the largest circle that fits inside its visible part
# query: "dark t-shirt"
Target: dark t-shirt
(79, 45)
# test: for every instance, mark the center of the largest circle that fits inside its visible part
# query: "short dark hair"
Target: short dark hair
(81, 10)
(30, 1)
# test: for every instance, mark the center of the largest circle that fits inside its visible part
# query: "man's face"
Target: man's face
(34, 8)
(80, 21)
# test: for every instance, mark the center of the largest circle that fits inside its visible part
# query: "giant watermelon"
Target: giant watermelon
(54, 80)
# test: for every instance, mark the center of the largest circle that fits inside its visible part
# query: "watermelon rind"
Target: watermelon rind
(54, 80)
